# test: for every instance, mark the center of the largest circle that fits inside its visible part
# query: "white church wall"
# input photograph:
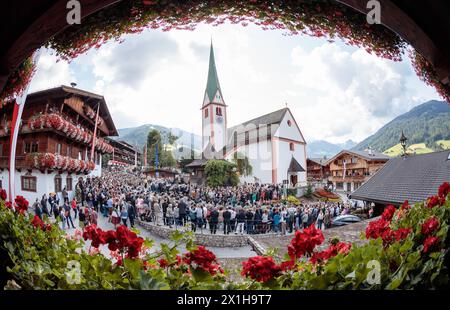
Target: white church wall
(284, 156)
(260, 158)
(289, 132)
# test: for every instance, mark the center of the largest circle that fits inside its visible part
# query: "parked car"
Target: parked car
(342, 220)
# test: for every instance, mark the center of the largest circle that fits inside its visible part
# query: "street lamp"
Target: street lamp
(403, 141)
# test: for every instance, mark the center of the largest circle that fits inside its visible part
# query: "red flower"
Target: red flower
(333, 250)
(430, 226)
(305, 242)
(203, 259)
(430, 244)
(3, 194)
(21, 204)
(402, 233)
(444, 190)
(433, 201)
(375, 229)
(9, 205)
(95, 234)
(260, 268)
(163, 263)
(388, 213)
(287, 265)
(37, 222)
(405, 205)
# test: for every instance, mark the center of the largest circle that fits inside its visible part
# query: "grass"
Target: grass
(418, 148)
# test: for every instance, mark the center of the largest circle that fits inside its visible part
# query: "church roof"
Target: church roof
(294, 166)
(213, 80)
(271, 118)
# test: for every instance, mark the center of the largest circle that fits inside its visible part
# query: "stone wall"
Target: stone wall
(208, 240)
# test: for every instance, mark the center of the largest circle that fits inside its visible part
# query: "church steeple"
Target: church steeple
(213, 93)
(214, 109)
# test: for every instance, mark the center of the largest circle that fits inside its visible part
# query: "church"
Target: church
(273, 143)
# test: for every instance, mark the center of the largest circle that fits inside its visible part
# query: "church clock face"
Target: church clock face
(219, 119)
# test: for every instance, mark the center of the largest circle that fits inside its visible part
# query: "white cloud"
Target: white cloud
(51, 73)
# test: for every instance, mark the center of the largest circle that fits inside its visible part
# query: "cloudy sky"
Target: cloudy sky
(336, 92)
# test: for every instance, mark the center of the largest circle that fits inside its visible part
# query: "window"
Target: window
(289, 122)
(69, 151)
(219, 111)
(354, 160)
(58, 183)
(58, 148)
(28, 183)
(291, 146)
(79, 155)
(235, 139)
(206, 113)
(69, 183)
(247, 137)
(27, 147)
(34, 147)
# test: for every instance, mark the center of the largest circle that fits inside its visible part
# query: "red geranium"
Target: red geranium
(388, 213)
(333, 250)
(37, 222)
(405, 205)
(430, 244)
(430, 226)
(260, 268)
(21, 204)
(375, 229)
(95, 234)
(3, 194)
(305, 242)
(444, 190)
(434, 201)
(9, 205)
(203, 259)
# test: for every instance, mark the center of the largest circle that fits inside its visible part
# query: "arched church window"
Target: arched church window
(289, 122)
(291, 146)
(219, 111)
(206, 113)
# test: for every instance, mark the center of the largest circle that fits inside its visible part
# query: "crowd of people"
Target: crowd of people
(123, 196)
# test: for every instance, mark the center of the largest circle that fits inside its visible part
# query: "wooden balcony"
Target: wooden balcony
(348, 178)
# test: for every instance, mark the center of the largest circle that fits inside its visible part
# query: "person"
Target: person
(74, 207)
(62, 216)
(193, 218)
(249, 221)
(82, 218)
(276, 221)
(169, 215)
(327, 219)
(371, 212)
(67, 215)
(305, 219)
(124, 215)
(44, 205)
(265, 221)
(240, 219)
(320, 217)
(226, 221)
(131, 214)
(182, 212)
(214, 221)
(65, 195)
(115, 217)
(37, 208)
(283, 220)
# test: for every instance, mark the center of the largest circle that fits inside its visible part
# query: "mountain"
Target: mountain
(321, 148)
(138, 135)
(426, 126)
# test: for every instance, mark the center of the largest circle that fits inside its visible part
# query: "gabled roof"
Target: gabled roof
(275, 117)
(319, 161)
(212, 85)
(372, 155)
(294, 166)
(413, 178)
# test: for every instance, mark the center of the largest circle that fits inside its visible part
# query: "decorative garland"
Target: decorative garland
(57, 122)
(17, 81)
(426, 73)
(59, 162)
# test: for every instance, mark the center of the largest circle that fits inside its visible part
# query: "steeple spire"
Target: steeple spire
(212, 85)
